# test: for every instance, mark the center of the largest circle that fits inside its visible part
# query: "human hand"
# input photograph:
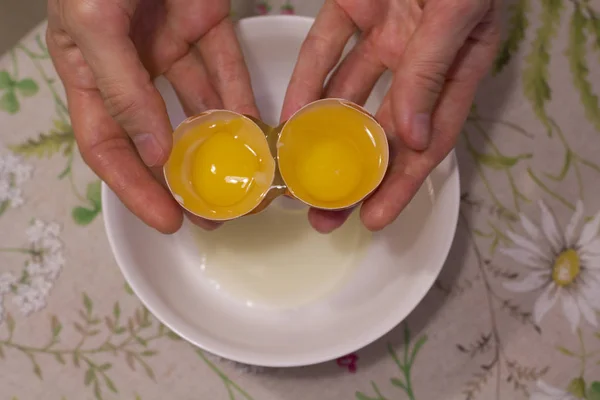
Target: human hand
(437, 52)
(108, 51)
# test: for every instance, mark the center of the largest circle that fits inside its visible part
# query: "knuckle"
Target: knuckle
(316, 45)
(430, 76)
(122, 107)
(99, 156)
(122, 103)
(57, 39)
(83, 12)
(315, 53)
(116, 98)
(96, 16)
(229, 69)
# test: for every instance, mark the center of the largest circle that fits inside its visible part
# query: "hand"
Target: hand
(437, 54)
(108, 51)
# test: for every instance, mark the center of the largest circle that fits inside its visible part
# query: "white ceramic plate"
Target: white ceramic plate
(267, 290)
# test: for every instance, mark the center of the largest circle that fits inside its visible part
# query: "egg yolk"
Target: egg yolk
(223, 169)
(331, 170)
(331, 154)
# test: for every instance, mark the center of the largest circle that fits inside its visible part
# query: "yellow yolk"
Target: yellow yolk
(223, 169)
(221, 166)
(331, 170)
(332, 155)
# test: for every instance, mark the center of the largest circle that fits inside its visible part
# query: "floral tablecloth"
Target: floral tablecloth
(513, 315)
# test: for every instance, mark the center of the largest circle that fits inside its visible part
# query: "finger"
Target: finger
(191, 82)
(472, 63)
(108, 151)
(319, 54)
(410, 168)
(406, 172)
(325, 221)
(422, 72)
(405, 176)
(356, 76)
(102, 34)
(104, 145)
(224, 61)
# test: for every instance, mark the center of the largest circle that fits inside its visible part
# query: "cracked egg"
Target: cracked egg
(220, 167)
(331, 154)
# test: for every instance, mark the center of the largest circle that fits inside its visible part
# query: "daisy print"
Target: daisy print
(563, 266)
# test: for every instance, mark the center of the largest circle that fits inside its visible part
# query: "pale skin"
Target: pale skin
(108, 51)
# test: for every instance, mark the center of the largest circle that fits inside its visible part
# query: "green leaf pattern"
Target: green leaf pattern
(12, 87)
(85, 215)
(57, 140)
(536, 74)
(578, 63)
(517, 27)
(9, 102)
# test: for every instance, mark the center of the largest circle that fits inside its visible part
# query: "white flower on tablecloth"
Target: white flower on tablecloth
(28, 299)
(42, 270)
(13, 173)
(565, 265)
(44, 235)
(7, 280)
(547, 392)
(34, 268)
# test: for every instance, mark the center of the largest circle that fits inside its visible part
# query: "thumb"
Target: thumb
(102, 35)
(421, 74)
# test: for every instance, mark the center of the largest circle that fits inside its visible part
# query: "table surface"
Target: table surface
(513, 315)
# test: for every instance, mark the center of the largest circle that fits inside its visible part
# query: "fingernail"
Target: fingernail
(421, 131)
(148, 149)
